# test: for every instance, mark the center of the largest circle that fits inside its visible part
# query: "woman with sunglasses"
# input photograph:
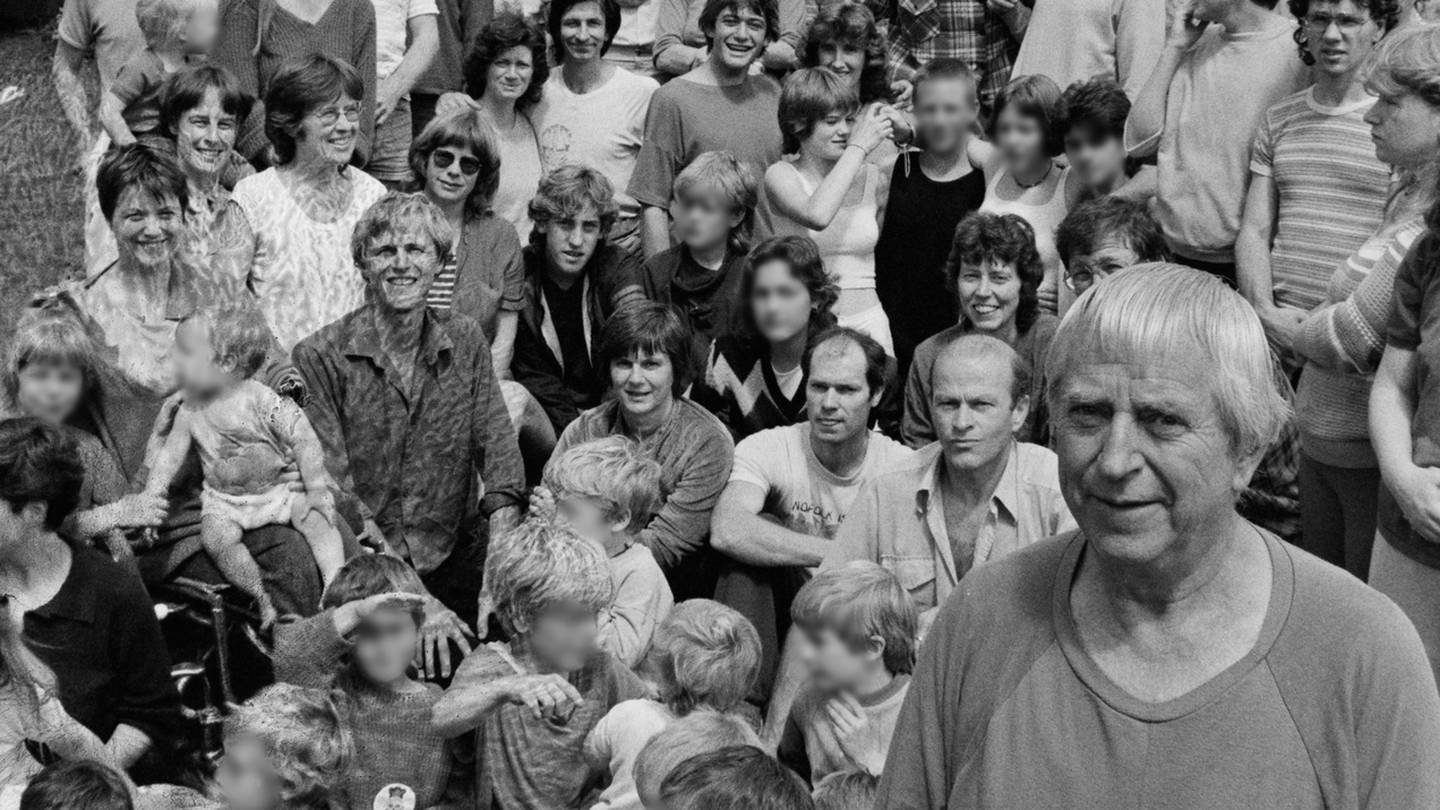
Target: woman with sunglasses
(456, 163)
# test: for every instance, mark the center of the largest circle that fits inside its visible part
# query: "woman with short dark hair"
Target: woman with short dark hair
(504, 77)
(645, 349)
(287, 229)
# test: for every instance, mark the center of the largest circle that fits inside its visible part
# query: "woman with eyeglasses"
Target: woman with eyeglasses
(457, 166)
(286, 231)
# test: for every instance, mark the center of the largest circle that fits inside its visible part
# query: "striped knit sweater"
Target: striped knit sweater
(1341, 344)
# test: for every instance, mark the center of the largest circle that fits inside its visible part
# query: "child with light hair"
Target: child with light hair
(287, 748)
(699, 732)
(532, 701)
(705, 656)
(178, 34)
(741, 777)
(244, 433)
(858, 628)
(77, 785)
(607, 491)
(846, 790)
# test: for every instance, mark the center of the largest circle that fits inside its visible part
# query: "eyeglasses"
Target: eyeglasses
(469, 166)
(1347, 24)
(330, 116)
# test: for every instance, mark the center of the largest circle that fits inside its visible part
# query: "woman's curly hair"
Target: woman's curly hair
(1003, 239)
(506, 31)
(852, 24)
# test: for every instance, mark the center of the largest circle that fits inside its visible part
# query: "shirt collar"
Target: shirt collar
(1007, 491)
(76, 598)
(364, 337)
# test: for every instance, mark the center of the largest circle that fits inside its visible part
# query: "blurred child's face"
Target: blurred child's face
(590, 518)
(780, 302)
(945, 114)
(564, 637)
(385, 646)
(50, 391)
(832, 664)
(847, 59)
(829, 136)
(1020, 138)
(704, 221)
(203, 27)
(1098, 159)
(197, 369)
(246, 778)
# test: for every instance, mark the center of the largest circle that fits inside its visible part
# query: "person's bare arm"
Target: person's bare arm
(502, 347)
(112, 118)
(655, 230)
(737, 530)
(424, 36)
(1147, 115)
(126, 745)
(816, 211)
(70, 88)
(171, 455)
(1252, 262)
(464, 707)
(1392, 418)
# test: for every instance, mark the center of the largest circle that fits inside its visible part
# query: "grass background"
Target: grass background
(41, 199)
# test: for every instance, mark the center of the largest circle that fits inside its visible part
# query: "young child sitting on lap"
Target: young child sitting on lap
(363, 643)
(859, 627)
(705, 655)
(740, 777)
(178, 33)
(699, 732)
(245, 433)
(607, 491)
(532, 702)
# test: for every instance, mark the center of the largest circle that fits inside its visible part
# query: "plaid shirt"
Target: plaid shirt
(921, 30)
(1272, 500)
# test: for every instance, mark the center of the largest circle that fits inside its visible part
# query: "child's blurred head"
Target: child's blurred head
(189, 26)
(51, 363)
(694, 734)
(741, 777)
(79, 785)
(703, 655)
(549, 584)
(218, 347)
(854, 619)
(385, 641)
(846, 790)
(286, 747)
(606, 490)
(714, 196)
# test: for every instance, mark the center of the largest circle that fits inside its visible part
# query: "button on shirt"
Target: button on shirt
(898, 520)
(416, 457)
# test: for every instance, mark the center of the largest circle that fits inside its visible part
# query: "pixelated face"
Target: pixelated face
(197, 369)
(50, 391)
(971, 408)
(400, 265)
(246, 779)
(204, 135)
(989, 294)
(147, 229)
(1098, 159)
(564, 636)
(703, 221)
(780, 302)
(385, 646)
(582, 31)
(832, 664)
(570, 241)
(590, 518)
(1405, 129)
(328, 133)
(643, 382)
(1085, 270)
(738, 39)
(450, 174)
(945, 113)
(829, 135)
(203, 27)
(847, 59)
(1340, 35)
(838, 398)
(508, 77)
(1020, 138)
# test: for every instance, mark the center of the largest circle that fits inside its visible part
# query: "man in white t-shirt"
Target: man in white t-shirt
(593, 113)
(407, 35)
(790, 487)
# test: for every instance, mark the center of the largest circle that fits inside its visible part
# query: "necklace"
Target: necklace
(1042, 179)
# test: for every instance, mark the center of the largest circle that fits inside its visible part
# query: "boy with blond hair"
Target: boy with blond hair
(607, 491)
(859, 628)
(705, 657)
(532, 701)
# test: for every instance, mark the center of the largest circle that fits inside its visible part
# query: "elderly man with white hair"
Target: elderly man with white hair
(1168, 653)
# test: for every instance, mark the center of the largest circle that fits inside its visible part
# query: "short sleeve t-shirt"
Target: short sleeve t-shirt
(392, 18)
(799, 490)
(105, 28)
(602, 129)
(1331, 190)
(687, 119)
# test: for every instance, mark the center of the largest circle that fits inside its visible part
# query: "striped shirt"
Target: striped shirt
(442, 291)
(1331, 191)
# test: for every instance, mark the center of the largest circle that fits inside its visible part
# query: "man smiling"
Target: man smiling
(718, 106)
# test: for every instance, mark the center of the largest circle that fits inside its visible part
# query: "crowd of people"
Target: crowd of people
(764, 404)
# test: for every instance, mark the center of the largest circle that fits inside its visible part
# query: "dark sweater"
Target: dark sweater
(708, 300)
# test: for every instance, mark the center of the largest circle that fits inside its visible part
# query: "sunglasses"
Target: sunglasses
(469, 166)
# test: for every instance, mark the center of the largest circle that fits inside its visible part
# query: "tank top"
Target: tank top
(1044, 217)
(848, 246)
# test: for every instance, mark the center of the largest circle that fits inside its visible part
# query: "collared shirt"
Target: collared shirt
(967, 30)
(417, 457)
(898, 520)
